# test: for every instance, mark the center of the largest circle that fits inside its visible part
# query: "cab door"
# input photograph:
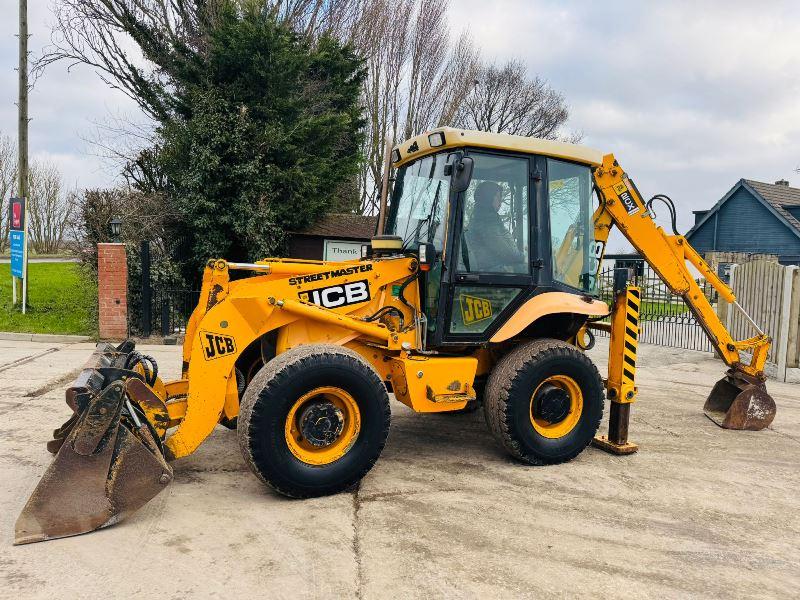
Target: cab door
(493, 264)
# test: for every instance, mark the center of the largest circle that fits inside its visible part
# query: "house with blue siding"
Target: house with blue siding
(752, 218)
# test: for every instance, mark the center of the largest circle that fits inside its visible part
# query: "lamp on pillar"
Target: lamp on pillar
(115, 226)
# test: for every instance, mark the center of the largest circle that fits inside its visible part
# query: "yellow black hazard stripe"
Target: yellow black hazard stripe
(633, 299)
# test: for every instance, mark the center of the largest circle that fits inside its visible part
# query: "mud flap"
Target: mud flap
(740, 401)
(108, 465)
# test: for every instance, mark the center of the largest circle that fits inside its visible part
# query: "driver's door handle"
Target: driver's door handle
(471, 277)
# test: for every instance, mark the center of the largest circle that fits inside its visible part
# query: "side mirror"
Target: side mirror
(461, 173)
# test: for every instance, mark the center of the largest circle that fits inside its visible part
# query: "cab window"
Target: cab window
(494, 238)
(418, 214)
(419, 202)
(571, 227)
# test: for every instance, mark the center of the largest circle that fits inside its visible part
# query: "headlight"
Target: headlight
(395, 155)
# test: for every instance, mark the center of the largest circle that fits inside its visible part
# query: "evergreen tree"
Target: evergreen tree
(263, 138)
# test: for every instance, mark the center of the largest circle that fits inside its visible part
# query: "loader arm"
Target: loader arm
(740, 399)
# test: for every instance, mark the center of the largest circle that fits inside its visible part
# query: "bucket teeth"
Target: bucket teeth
(108, 464)
(740, 401)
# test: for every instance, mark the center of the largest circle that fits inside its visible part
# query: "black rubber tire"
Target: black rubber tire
(271, 394)
(508, 396)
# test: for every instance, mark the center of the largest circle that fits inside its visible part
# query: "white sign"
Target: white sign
(339, 250)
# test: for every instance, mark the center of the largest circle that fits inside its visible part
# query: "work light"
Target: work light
(436, 139)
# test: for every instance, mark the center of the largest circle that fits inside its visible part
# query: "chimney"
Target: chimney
(699, 215)
(782, 182)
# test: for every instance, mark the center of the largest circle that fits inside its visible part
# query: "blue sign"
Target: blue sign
(17, 252)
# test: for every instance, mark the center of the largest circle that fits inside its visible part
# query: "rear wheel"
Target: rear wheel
(544, 402)
(313, 421)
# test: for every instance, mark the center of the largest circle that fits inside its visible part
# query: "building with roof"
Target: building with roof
(337, 236)
(752, 218)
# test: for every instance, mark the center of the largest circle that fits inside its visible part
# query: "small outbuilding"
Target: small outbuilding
(752, 218)
(336, 237)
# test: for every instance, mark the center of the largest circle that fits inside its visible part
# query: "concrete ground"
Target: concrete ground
(698, 512)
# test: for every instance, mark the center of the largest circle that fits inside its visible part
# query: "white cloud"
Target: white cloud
(690, 96)
(63, 106)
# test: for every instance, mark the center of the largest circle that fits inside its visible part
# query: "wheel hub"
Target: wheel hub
(551, 404)
(321, 424)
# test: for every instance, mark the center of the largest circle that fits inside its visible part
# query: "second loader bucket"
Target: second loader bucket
(108, 464)
(740, 401)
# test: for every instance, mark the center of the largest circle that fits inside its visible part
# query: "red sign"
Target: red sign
(16, 215)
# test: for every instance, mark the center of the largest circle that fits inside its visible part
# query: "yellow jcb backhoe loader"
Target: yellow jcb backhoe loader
(480, 287)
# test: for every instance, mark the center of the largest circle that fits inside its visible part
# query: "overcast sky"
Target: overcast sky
(690, 96)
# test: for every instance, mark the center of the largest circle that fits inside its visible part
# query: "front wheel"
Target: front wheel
(544, 402)
(313, 421)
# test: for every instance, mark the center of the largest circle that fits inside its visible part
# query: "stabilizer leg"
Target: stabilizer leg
(617, 440)
(621, 385)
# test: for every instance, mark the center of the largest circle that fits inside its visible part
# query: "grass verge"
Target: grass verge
(61, 300)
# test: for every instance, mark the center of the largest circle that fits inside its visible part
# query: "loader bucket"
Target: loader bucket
(108, 464)
(740, 401)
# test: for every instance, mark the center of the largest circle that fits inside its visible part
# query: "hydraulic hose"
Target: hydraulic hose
(149, 366)
(670, 205)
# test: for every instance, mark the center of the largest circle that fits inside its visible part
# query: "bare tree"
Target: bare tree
(417, 76)
(121, 40)
(8, 179)
(504, 100)
(317, 17)
(49, 208)
(381, 37)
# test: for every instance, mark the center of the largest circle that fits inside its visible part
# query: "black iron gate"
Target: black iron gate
(173, 309)
(665, 318)
(161, 310)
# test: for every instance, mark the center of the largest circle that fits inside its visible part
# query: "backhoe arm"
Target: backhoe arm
(622, 205)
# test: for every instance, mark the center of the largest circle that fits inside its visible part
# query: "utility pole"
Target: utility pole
(22, 141)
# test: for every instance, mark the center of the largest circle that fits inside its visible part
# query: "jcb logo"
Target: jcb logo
(216, 345)
(475, 309)
(335, 296)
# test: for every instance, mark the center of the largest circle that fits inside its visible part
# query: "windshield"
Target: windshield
(574, 252)
(419, 202)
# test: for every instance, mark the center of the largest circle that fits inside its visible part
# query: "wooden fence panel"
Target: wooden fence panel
(793, 352)
(770, 293)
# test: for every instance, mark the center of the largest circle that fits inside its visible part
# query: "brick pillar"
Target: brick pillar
(112, 291)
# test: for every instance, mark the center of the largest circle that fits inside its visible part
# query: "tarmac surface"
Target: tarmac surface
(45, 259)
(698, 512)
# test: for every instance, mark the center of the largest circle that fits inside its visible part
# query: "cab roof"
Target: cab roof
(419, 146)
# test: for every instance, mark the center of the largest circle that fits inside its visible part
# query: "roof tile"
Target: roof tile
(343, 225)
(778, 196)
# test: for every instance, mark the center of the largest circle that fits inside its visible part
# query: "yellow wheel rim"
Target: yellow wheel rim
(567, 424)
(341, 431)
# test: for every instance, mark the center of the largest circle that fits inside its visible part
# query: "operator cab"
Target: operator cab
(509, 217)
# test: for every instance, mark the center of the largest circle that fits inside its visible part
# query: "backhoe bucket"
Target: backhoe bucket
(108, 464)
(740, 401)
